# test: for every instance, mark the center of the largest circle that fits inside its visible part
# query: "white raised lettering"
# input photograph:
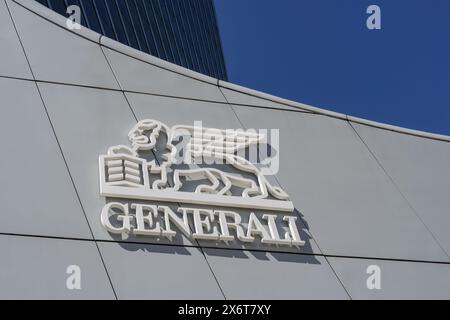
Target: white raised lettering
(275, 236)
(225, 226)
(125, 218)
(255, 227)
(180, 223)
(202, 224)
(141, 218)
(296, 241)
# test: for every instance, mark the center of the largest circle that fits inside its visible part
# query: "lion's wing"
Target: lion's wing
(207, 140)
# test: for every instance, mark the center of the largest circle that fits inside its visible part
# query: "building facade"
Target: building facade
(357, 209)
(179, 31)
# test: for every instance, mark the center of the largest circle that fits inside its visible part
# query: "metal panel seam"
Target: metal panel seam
(61, 151)
(398, 188)
(137, 120)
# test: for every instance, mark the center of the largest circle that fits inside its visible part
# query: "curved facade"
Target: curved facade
(368, 197)
(178, 31)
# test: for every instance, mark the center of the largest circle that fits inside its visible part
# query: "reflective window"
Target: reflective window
(180, 31)
(146, 28)
(137, 25)
(103, 17)
(174, 43)
(58, 6)
(116, 21)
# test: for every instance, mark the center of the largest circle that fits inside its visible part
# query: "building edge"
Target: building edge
(93, 36)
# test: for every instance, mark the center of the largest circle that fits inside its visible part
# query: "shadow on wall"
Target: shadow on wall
(224, 252)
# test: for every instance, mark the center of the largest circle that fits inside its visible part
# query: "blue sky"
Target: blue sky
(320, 52)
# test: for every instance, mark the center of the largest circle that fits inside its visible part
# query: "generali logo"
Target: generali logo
(183, 164)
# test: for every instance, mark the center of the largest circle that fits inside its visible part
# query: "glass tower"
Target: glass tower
(184, 32)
